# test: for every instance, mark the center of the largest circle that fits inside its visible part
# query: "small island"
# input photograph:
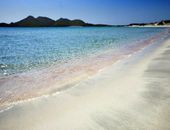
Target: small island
(40, 21)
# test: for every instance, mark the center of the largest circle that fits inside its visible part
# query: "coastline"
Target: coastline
(151, 26)
(119, 97)
(39, 83)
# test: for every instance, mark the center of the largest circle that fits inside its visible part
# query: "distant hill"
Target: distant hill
(45, 21)
(154, 24)
(62, 22)
(67, 22)
(40, 21)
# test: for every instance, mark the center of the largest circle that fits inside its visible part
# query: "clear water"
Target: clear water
(24, 49)
(42, 61)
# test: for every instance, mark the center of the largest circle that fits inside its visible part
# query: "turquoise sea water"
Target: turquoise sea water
(39, 61)
(24, 49)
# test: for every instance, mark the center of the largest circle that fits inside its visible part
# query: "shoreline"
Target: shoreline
(150, 26)
(103, 101)
(86, 70)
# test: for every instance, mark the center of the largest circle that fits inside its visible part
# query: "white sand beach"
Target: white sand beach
(133, 94)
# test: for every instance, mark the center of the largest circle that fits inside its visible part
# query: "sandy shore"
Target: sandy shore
(132, 94)
(151, 26)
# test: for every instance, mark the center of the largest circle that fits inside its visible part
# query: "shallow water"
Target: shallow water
(23, 49)
(37, 61)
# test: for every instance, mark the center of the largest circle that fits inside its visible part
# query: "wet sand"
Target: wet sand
(133, 94)
(46, 81)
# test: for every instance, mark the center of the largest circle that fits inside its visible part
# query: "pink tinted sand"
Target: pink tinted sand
(57, 78)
